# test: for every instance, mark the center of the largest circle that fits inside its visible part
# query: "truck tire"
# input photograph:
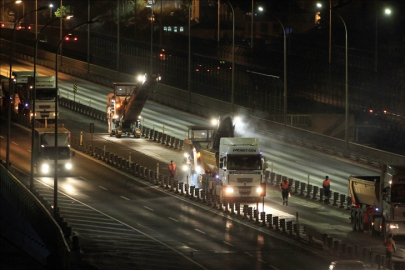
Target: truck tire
(353, 220)
(117, 135)
(360, 222)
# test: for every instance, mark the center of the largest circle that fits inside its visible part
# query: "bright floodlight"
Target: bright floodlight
(387, 11)
(260, 8)
(18, 2)
(319, 5)
(141, 78)
(214, 122)
(51, 6)
(237, 119)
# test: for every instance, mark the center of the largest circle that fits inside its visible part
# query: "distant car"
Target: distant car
(349, 265)
(9, 25)
(71, 37)
(24, 26)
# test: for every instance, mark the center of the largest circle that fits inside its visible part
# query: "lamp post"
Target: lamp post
(285, 70)
(20, 2)
(387, 11)
(50, 11)
(319, 5)
(55, 182)
(34, 96)
(151, 3)
(233, 59)
(10, 85)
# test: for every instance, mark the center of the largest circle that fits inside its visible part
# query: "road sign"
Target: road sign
(151, 2)
(75, 88)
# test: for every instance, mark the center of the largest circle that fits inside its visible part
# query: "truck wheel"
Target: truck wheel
(360, 222)
(353, 220)
(371, 230)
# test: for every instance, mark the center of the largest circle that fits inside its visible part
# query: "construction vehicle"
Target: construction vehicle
(44, 151)
(378, 202)
(227, 166)
(21, 98)
(45, 97)
(124, 107)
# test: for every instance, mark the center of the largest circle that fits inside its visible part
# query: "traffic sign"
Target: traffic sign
(151, 2)
(75, 88)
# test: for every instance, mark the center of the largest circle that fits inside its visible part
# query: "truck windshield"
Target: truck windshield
(244, 162)
(398, 193)
(63, 153)
(46, 94)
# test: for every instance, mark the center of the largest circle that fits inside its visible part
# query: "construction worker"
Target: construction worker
(285, 190)
(326, 188)
(389, 248)
(172, 169)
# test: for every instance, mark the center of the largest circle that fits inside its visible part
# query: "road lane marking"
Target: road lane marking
(200, 231)
(228, 243)
(149, 208)
(299, 162)
(14, 143)
(247, 253)
(102, 187)
(261, 261)
(81, 177)
(173, 219)
(125, 198)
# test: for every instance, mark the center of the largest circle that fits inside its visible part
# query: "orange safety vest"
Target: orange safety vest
(326, 183)
(172, 169)
(389, 245)
(285, 185)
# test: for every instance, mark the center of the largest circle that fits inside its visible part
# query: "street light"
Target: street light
(10, 84)
(387, 11)
(251, 25)
(285, 70)
(151, 3)
(346, 84)
(319, 5)
(55, 183)
(19, 2)
(50, 11)
(189, 54)
(233, 58)
(34, 97)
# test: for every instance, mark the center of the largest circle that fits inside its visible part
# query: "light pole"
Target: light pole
(151, 39)
(189, 54)
(251, 26)
(285, 70)
(20, 2)
(233, 59)
(10, 84)
(319, 5)
(55, 181)
(50, 11)
(387, 11)
(34, 96)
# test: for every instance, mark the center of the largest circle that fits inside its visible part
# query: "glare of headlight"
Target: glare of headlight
(68, 166)
(394, 226)
(139, 117)
(214, 122)
(237, 119)
(198, 169)
(259, 190)
(141, 78)
(185, 167)
(186, 155)
(45, 168)
(229, 190)
(116, 116)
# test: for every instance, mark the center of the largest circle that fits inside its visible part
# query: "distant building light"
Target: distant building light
(165, 28)
(175, 29)
(181, 29)
(288, 31)
(169, 29)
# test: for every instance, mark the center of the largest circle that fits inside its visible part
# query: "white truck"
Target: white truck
(378, 202)
(44, 151)
(45, 97)
(124, 107)
(230, 167)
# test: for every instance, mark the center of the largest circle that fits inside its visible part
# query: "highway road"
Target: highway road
(293, 162)
(126, 223)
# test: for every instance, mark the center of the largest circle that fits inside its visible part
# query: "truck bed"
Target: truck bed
(364, 190)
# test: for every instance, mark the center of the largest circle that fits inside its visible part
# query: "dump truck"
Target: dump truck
(124, 107)
(227, 166)
(45, 150)
(22, 98)
(378, 202)
(45, 97)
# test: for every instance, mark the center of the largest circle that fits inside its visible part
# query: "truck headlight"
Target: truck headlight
(198, 169)
(45, 168)
(68, 166)
(185, 167)
(394, 226)
(259, 190)
(229, 190)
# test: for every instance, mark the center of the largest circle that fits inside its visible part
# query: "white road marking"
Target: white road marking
(125, 198)
(14, 143)
(81, 177)
(102, 187)
(173, 219)
(248, 254)
(149, 208)
(299, 162)
(200, 231)
(228, 243)
(261, 261)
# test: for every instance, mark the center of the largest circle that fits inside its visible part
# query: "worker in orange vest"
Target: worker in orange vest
(326, 188)
(389, 248)
(172, 169)
(285, 190)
